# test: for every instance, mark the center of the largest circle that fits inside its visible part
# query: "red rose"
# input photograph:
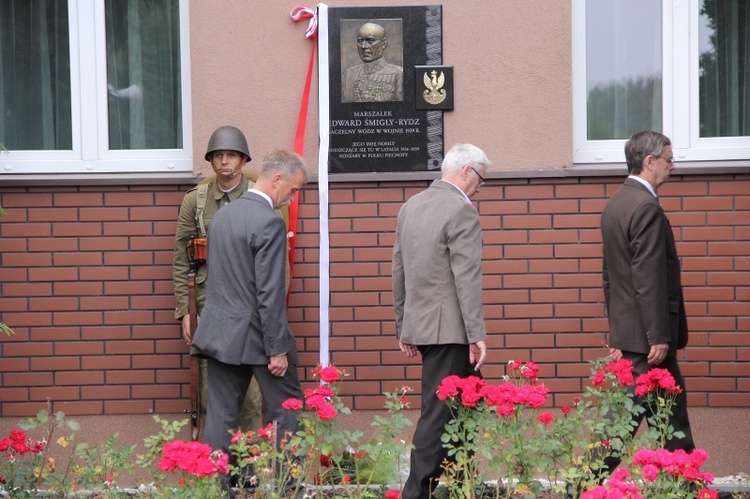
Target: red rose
(325, 391)
(707, 494)
(506, 409)
(20, 447)
(530, 370)
(315, 401)
(654, 379)
(546, 418)
(4, 445)
(266, 432)
(448, 387)
(18, 436)
(221, 460)
(326, 412)
(392, 494)
(292, 404)
(328, 374)
(623, 369)
(565, 409)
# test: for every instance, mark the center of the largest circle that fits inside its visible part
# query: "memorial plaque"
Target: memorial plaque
(376, 122)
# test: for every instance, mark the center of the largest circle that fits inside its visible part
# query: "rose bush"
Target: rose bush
(502, 430)
(505, 431)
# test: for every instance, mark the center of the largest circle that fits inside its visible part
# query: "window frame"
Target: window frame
(89, 116)
(680, 63)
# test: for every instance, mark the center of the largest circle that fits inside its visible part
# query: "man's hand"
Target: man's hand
(477, 354)
(278, 365)
(186, 328)
(615, 353)
(657, 354)
(409, 350)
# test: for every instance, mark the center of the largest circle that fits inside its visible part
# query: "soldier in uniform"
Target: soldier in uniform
(227, 152)
(376, 80)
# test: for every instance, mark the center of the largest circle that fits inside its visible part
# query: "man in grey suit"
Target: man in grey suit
(641, 275)
(243, 331)
(437, 297)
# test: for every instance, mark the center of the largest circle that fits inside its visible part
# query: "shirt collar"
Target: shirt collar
(648, 186)
(459, 190)
(263, 195)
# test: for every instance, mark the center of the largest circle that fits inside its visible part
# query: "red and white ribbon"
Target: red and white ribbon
(300, 12)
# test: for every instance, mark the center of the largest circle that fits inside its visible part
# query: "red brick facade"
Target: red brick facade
(85, 281)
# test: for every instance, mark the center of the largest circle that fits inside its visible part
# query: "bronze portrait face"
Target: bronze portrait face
(374, 77)
(371, 42)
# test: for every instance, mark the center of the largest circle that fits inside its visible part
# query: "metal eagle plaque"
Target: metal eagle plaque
(377, 123)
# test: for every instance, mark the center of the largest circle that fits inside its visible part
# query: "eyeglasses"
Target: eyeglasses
(668, 160)
(482, 181)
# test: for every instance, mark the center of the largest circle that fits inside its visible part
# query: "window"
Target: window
(95, 86)
(681, 67)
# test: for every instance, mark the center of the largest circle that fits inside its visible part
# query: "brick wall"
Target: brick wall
(85, 281)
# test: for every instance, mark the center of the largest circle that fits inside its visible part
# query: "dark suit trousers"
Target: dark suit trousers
(438, 361)
(227, 386)
(679, 419)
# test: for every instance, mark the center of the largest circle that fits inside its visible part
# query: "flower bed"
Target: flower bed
(497, 431)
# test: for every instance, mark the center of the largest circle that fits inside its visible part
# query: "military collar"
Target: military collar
(238, 190)
(373, 67)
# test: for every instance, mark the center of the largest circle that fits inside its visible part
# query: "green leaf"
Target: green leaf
(42, 416)
(28, 424)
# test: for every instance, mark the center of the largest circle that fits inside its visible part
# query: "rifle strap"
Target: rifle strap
(201, 207)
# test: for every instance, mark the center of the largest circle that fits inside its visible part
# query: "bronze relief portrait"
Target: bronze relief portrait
(372, 60)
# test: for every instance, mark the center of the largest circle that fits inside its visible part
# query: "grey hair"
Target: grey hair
(284, 162)
(461, 155)
(642, 144)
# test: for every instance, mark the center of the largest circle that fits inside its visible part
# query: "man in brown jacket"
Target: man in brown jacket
(641, 274)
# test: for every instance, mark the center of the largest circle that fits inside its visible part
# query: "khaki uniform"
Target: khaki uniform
(188, 224)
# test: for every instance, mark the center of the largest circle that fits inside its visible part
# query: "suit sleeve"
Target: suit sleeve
(270, 264)
(648, 251)
(399, 285)
(605, 281)
(464, 240)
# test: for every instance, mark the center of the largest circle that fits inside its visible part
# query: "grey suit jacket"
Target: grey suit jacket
(244, 319)
(437, 274)
(641, 273)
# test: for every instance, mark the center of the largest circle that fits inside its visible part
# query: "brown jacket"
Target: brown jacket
(641, 273)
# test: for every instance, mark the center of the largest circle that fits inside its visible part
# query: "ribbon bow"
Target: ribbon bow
(301, 12)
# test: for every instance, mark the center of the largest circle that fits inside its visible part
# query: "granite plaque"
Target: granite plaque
(376, 122)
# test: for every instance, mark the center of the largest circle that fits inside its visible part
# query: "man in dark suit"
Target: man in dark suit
(243, 331)
(437, 297)
(641, 274)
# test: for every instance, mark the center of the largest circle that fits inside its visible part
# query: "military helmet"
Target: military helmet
(227, 138)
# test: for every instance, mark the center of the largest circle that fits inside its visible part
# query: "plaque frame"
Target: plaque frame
(384, 134)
